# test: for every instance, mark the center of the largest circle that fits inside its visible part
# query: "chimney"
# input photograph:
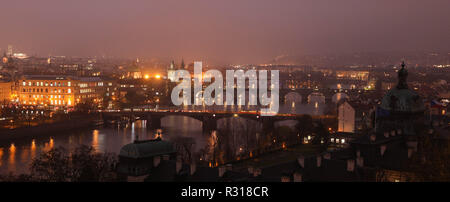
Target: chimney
(301, 161)
(327, 156)
(360, 161)
(222, 170)
(382, 149)
(178, 165)
(410, 152)
(285, 178)
(393, 133)
(373, 137)
(250, 170)
(166, 157)
(229, 167)
(350, 165)
(193, 168)
(297, 177)
(156, 161)
(256, 172)
(412, 144)
(319, 161)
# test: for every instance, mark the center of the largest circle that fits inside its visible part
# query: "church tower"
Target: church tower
(171, 71)
(402, 107)
(182, 66)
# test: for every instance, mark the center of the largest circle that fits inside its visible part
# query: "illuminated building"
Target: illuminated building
(353, 116)
(6, 91)
(46, 90)
(353, 75)
(134, 72)
(171, 72)
(90, 88)
(346, 118)
(10, 50)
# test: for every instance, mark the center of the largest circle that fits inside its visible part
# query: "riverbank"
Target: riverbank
(74, 123)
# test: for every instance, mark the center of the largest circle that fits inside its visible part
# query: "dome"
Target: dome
(401, 98)
(145, 149)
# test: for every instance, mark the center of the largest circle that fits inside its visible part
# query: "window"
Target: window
(68, 83)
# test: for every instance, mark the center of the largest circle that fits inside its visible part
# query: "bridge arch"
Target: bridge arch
(316, 97)
(338, 96)
(293, 99)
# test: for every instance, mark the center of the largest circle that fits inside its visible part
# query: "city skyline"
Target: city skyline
(222, 32)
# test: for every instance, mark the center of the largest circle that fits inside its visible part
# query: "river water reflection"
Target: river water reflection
(16, 156)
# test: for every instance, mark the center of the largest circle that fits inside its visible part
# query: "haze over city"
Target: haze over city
(215, 91)
(250, 31)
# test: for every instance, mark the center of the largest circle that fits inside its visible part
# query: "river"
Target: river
(16, 156)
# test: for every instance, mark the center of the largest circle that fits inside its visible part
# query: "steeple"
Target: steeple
(402, 76)
(172, 65)
(182, 66)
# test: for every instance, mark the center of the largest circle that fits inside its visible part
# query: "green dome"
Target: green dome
(145, 149)
(402, 100)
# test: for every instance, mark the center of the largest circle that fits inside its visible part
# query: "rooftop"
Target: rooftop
(145, 149)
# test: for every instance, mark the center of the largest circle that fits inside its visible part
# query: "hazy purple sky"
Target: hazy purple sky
(222, 30)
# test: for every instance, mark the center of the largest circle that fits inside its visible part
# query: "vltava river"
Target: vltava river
(16, 156)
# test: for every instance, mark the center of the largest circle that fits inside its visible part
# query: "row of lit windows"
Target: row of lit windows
(85, 85)
(45, 96)
(53, 102)
(46, 83)
(131, 86)
(86, 90)
(337, 140)
(34, 90)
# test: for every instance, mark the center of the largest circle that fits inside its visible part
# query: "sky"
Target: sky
(223, 31)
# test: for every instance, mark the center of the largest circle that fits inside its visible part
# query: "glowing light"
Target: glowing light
(158, 76)
(146, 76)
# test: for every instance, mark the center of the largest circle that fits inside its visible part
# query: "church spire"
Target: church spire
(402, 76)
(182, 64)
(172, 65)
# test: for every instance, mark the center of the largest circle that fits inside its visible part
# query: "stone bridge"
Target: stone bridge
(208, 119)
(328, 93)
